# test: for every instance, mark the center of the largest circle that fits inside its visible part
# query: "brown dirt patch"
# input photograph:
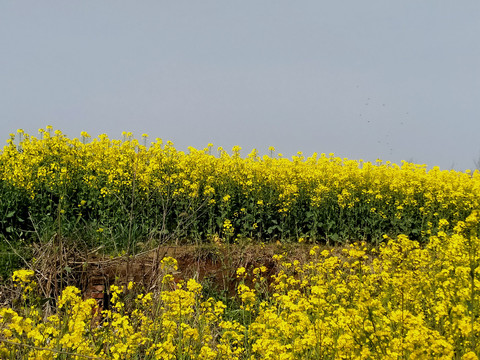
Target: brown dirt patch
(58, 265)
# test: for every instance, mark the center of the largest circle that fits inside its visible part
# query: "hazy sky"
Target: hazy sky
(363, 79)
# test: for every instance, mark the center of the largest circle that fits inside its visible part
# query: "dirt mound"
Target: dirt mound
(57, 265)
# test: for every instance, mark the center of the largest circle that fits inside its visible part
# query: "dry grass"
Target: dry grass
(60, 263)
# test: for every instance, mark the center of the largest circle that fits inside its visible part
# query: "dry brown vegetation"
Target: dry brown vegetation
(59, 263)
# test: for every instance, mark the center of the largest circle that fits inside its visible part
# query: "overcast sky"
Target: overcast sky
(395, 80)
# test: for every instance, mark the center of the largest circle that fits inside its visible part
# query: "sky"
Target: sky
(373, 79)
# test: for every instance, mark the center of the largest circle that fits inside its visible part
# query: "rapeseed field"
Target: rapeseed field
(116, 193)
(399, 278)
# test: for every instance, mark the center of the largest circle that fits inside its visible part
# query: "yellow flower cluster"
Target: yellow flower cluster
(100, 186)
(174, 324)
(398, 300)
